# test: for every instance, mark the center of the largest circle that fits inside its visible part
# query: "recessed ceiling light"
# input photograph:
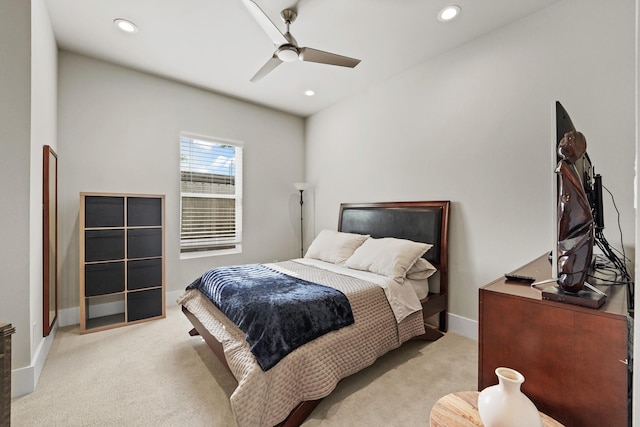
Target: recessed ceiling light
(448, 13)
(125, 25)
(309, 92)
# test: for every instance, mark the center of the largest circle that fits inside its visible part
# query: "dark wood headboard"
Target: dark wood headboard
(425, 221)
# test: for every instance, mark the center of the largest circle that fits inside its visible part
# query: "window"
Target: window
(210, 195)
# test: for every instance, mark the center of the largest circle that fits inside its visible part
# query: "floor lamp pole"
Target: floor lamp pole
(301, 186)
(301, 228)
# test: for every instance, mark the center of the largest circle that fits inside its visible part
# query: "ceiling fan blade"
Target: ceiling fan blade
(314, 55)
(267, 68)
(267, 25)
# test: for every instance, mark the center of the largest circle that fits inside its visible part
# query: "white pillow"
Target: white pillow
(422, 269)
(334, 246)
(388, 256)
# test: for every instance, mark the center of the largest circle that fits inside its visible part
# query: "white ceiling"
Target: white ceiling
(217, 45)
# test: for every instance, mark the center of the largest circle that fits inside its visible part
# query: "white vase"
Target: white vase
(504, 405)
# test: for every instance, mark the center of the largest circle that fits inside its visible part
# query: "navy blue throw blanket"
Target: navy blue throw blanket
(278, 313)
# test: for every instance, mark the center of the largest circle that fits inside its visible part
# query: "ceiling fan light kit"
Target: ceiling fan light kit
(287, 53)
(287, 49)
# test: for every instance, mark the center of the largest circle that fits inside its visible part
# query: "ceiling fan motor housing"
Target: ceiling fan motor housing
(288, 15)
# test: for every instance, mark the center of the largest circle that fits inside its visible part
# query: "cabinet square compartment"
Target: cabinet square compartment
(144, 304)
(103, 278)
(146, 273)
(103, 211)
(104, 311)
(103, 245)
(144, 243)
(144, 211)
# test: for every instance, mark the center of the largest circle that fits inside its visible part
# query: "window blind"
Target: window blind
(210, 194)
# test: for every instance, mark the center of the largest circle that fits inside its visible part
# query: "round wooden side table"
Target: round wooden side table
(460, 409)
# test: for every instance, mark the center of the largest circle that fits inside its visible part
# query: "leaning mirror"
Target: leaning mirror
(50, 239)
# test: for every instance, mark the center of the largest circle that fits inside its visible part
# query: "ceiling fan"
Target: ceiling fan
(287, 46)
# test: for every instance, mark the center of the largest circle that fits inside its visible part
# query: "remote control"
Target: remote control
(519, 278)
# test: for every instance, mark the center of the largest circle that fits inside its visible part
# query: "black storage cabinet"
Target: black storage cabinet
(122, 271)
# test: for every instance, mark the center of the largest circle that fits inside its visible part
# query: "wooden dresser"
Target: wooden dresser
(5, 373)
(574, 359)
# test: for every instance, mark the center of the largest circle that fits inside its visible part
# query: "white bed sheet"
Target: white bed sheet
(420, 287)
(402, 297)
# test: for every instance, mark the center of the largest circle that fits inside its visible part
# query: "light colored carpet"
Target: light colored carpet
(155, 374)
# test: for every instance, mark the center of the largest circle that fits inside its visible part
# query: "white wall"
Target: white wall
(27, 122)
(474, 126)
(118, 132)
(44, 116)
(15, 119)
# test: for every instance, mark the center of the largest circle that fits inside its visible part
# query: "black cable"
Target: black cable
(610, 254)
(604, 246)
(613, 200)
(606, 275)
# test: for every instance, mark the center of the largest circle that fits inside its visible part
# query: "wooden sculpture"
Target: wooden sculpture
(575, 221)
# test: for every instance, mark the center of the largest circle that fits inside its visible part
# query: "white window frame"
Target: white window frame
(237, 242)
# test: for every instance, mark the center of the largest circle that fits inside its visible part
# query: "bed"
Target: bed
(384, 313)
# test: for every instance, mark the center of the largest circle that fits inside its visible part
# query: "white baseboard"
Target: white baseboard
(463, 326)
(24, 380)
(69, 316)
(172, 296)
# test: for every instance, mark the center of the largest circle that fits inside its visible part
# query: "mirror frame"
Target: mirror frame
(50, 239)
